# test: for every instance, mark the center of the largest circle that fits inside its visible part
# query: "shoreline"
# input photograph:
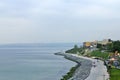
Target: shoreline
(86, 69)
(83, 69)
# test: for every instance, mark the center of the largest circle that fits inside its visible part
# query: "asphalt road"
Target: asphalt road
(98, 72)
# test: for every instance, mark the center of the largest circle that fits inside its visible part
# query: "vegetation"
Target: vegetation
(99, 54)
(114, 74)
(111, 47)
(115, 46)
(70, 73)
(99, 46)
(75, 50)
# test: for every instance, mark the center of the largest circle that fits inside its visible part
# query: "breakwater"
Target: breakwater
(83, 69)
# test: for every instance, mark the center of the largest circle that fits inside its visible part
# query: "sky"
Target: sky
(53, 21)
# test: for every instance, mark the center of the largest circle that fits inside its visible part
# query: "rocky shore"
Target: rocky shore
(83, 71)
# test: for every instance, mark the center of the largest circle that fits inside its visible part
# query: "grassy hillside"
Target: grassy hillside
(114, 74)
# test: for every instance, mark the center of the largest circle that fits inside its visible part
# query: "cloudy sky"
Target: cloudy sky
(46, 21)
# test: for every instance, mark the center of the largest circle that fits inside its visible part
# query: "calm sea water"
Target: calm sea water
(33, 61)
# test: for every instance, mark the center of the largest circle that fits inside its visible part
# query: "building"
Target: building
(104, 42)
(90, 44)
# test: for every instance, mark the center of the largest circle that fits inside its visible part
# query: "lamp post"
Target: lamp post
(104, 77)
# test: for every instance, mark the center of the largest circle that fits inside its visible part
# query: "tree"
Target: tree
(75, 46)
(109, 47)
(114, 46)
(99, 46)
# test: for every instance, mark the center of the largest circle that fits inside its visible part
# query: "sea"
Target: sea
(34, 61)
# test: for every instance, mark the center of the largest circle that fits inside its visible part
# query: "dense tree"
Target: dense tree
(114, 46)
(99, 45)
(109, 47)
(75, 46)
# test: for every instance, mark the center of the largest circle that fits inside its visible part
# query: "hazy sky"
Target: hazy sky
(47, 21)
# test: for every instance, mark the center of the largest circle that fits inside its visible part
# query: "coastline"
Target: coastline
(98, 71)
(83, 69)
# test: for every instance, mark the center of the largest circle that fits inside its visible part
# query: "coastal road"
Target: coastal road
(98, 70)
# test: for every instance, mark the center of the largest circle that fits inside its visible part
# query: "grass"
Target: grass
(99, 54)
(114, 74)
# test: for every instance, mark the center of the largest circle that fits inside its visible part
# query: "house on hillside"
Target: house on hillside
(95, 44)
(104, 42)
(90, 45)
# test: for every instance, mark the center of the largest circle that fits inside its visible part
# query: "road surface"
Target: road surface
(98, 70)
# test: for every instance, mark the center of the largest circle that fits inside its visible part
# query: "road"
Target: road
(99, 72)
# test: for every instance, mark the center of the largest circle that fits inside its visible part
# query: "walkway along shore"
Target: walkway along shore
(89, 69)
